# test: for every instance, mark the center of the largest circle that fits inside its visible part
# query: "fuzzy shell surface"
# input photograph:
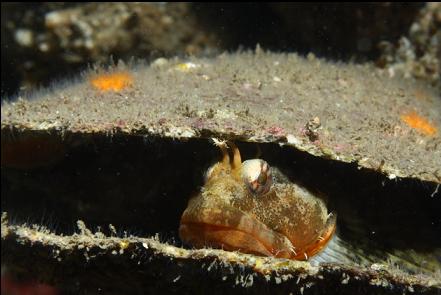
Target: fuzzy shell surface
(365, 116)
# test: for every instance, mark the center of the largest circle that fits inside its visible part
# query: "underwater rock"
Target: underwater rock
(43, 42)
(418, 53)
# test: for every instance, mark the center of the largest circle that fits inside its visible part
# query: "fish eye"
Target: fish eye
(256, 174)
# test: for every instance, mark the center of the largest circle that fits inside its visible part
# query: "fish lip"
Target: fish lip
(204, 235)
(199, 229)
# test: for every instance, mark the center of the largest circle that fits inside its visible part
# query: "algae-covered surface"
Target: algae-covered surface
(351, 113)
(89, 260)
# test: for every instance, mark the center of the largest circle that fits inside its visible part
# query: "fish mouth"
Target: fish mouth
(232, 229)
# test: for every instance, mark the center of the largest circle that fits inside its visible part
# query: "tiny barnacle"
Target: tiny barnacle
(243, 207)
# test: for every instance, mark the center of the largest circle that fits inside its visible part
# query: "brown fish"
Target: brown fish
(250, 207)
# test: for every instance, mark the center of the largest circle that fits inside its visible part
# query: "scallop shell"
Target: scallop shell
(132, 155)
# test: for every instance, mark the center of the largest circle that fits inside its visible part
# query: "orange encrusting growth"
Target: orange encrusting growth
(112, 82)
(419, 123)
